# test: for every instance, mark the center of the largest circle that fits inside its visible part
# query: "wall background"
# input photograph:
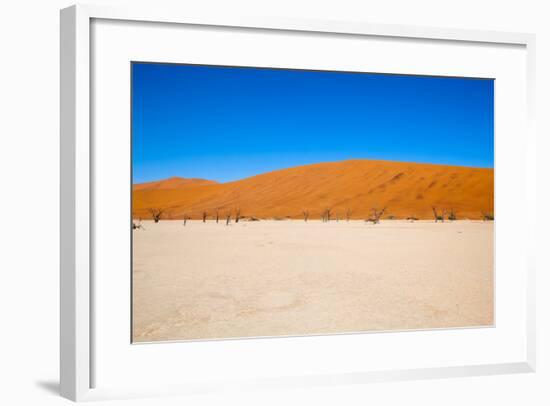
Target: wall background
(29, 203)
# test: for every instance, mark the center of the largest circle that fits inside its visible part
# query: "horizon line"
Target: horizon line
(311, 164)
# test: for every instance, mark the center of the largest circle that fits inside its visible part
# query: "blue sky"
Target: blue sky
(227, 123)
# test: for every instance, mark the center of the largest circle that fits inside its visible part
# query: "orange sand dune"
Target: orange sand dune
(405, 189)
(172, 183)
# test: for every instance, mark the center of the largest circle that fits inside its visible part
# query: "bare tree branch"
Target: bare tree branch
(437, 216)
(452, 215)
(237, 215)
(156, 214)
(138, 225)
(376, 215)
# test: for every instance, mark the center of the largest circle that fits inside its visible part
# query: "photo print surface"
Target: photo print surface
(278, 202)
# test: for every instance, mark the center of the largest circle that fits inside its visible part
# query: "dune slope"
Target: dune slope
(172, 183)
(354, 186)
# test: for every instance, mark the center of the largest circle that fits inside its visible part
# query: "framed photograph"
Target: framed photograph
(268, 203)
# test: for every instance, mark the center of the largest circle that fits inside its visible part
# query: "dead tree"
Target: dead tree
(204, 214)
(237, 215)
(185, 218)
(437, 216)
(348, 214)
(306, 215)
(378, 214)
(138, 225)
(156, 214)
(217, 215)
(228, 219)
(486, 216)
(326, 215)
(452, 215)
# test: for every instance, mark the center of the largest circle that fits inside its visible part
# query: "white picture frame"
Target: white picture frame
(76, 279)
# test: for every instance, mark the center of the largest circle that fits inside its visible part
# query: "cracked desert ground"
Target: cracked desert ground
(280, 278)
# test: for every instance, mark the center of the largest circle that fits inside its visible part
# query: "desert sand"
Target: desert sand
(406, 189)
(271, 278)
